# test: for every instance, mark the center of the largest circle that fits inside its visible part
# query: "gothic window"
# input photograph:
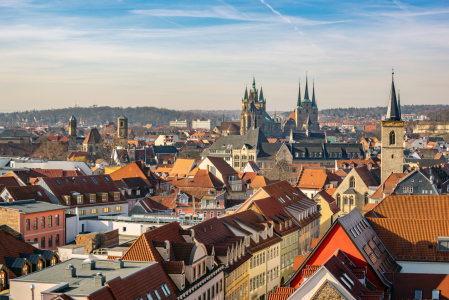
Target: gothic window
(351, 200)
(346, 199)
(352, 182)
(392, 138)
(366, 198)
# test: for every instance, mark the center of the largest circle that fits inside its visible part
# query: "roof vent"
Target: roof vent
(430, 246)
(70, 271)
(99, 279)
(118, 263)
(88, 264)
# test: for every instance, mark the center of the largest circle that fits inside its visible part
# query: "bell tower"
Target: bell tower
(122, 132)
(72, 134)
(392, 155)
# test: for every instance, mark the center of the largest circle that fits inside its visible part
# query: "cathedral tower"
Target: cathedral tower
(72, 134)
(122, 132)
(392, 155)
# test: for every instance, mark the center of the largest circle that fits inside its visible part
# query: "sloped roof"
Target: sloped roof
(221, 165)
(182, 166)
(411, 239)
(310, 178)
(406, 283)
(93, 137)
(387, 187)
(28, 192)
(366, 176)
(130, 170)
(8, 182)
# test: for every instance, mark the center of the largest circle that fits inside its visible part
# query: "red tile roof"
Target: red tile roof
(405, 285)
(28, 192)
(299, 259)
(310, 178)
(131, 170)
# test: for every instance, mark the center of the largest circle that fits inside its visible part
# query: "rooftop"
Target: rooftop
(31, 206)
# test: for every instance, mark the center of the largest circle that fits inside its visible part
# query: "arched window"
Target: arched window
(351, 200)
(352, 182)
(42, 222)
(338, 200)
(366, 198)
(43, 242)
(57, 240)
(50, 241)
(392, 138)
(54, 260)
(35, 224)
(50, 223)
(57, 220)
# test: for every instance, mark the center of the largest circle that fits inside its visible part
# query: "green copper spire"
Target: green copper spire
(306, 93)
(261, 95)
(246, 94)
(275, 119)
(253, 89)
(299, 95)
(313, 95)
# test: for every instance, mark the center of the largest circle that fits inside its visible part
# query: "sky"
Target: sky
(201, 54)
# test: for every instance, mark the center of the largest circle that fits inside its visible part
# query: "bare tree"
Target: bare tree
(280, 171)
(51, 151)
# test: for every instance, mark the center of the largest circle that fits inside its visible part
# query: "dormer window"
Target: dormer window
(137, 192)
(92, 198)
(443, 243)
(104, 197)
(116, 195)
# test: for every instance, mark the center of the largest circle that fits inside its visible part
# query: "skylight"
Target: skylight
(94, 180)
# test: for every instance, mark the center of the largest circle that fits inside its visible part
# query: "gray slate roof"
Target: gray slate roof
(252, 139)
(30, 206)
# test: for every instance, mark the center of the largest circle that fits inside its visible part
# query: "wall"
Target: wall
(20, 290)
(424, 267)
(71, 231)
(47, 231)
(124, 228)
(10, 217)
(208, 285)
(111, 238)
(255, 271)
(274, 264)
(359, 197)
(291, 248)
(392, 155)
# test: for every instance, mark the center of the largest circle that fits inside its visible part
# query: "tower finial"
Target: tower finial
(306, 93)
(299, 94)
(393, 112)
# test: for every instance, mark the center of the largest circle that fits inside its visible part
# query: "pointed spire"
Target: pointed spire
(246, 93)
(275, 119)
(393, 113)
(261, 94)
(313, 95)
(254, 82)
(306, 93)
(299, 95)
(399, 103)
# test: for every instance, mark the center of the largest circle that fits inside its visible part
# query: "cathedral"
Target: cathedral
(304, 116)
(305, 113)
(254, 114)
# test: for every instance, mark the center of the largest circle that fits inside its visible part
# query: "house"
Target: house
(415, 230)
(190, 264)
(353, 235)
(17, 193)
(101, 163)
(37, 221)
(328, 208)
(134, 189)
(18, 258)
(138, 169)
(419, 286)
(13, 136)
(311, 181)
(96, 280)
(353, 192)
(92, 142)
(182, 167)
(303, 210)
(230, 251)
(30, 176)
(154, 204)
(85, 196)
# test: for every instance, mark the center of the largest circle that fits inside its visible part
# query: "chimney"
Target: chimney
(118, 263)
(70, 271)
(99, 279)
(88, 264)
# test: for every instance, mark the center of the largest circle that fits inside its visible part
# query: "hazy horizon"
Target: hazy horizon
(190, 55)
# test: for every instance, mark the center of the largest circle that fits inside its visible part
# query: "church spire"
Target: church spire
(246, 93)
(399, 103)
(313, 95)
(261, 94)
(275, 119)
(299, 95)
(393, 113)
(306, 93)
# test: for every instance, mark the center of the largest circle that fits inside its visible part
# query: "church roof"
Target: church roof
(252, 138)
(393, 113)
(268, 118)
(298, 104)
(93, 137)
(314, 105)
(72, 118)
(261, 98)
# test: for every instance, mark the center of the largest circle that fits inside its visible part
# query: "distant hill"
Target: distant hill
(99, 115)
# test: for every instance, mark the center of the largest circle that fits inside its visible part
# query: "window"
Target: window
(57, 220)
(352, 182)
(157, 294)
(418, 294)
(106, 210)
(50, 223)
(106, 178)
(94, 211)
(149, 296)
(42, 242)
(84, 180)
(58, 182)
(94, 180)
(118, 208)
(165, 289)
(28, 225)
(366, 198)
(393, 140)
(443, 245)
(50, 241)
(82, 212)
(25, 269)
(211, 214)
(92, 197)
(351, 200)
(116, 195)
(435, 294)
(57, 240)
(345, 199)
(338, 200)
(66, 199)
(40, 265)
(104, 197)
(42, 222)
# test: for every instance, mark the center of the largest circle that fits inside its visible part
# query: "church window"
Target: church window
(346, 200)
(392, 155)
(392, 138)
(352, 182)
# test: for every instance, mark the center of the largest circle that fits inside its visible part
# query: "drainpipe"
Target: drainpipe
(32, 291)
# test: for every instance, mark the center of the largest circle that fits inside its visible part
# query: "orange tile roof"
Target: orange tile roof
(130, 170)
(411, 239)
(182, 166)
(260, 181)
(315, 179)
(272, 140)
(299, 259)
(316, 240)
(387, 187)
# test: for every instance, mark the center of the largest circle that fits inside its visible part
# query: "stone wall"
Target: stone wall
(11, 218)
(327, 292)
(392, 156)
(359, 196)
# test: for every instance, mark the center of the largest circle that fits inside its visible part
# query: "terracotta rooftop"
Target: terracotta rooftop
(312, 179)
(182, 167)
(131, 170)
(28, 192)
(299, 259)
(406, 283)
(387, 187)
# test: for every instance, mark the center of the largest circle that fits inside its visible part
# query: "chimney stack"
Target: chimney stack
(70, 271)
(118, 263)
(99, 279)
(88, 264)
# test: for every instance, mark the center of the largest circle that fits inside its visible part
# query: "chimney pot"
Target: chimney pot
(70, 271)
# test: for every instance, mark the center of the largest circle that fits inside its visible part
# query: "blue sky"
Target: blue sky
(201, 54)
